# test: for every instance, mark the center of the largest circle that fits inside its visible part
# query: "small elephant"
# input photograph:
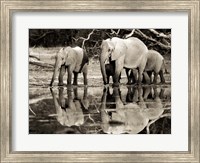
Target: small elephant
(74, 60)
(155, 64)
(70, 111)
(110, 71)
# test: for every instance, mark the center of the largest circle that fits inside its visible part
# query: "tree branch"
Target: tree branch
(40, 63)
(153, 40)
(160, 34)
(84, 39)
(130, 34)
(153, 121)
(116, 33)
(34, 56)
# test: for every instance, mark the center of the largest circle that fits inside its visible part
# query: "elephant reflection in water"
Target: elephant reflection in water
(133, 116)
(148, 98)
(69, 111)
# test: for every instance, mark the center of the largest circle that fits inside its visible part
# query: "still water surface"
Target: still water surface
(100, 110)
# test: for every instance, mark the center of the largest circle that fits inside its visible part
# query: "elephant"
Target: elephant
(155, 64)
(72, 59)
(128, 53)
(70, 110)
(131, 117)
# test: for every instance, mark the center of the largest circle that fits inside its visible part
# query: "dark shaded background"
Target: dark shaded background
(90, 39)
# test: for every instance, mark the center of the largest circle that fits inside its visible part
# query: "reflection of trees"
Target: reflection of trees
(137, 113)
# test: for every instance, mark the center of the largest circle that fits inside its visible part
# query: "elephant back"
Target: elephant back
(155, 55)
(136, 52)
(154, 61)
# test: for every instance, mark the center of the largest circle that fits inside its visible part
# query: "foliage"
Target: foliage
(90, 39)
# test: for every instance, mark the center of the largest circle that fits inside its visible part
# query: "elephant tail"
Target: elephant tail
(165, 68)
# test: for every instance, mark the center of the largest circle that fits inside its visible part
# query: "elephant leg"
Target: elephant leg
(129, 96)
(75, 78)
(140, 94)
(162, 93)
(135, 95)
(85, 102)
(116, 79)
(116, 92)
(69, 79)
(61, 98)
(162, 79)
(156, 94)
(146, 77)
(140, 76)
(155, 78)
(85, 71)
(147, 91)
(85, 79)
(62, 73)
(134, 75)
(119, 77)
(143, 79)
(150, 76)
(75, 93)
(128, 76)
(141, 69)
(118, 69)
(85, 93)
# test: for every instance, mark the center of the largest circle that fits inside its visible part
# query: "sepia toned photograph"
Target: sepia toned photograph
(95, 81)
(100, 81)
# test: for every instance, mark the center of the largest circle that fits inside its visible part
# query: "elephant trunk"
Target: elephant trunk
(103, 69)
(56, 104)
(104, 116)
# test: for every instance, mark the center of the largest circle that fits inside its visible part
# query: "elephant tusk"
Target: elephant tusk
(106, 61)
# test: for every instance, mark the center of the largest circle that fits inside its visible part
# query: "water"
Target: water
(100, 110)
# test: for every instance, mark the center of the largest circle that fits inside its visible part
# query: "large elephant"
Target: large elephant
(70, 111)
(72, 59)
(127, 53)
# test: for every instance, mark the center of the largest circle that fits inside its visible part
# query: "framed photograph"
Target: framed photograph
(100, 81)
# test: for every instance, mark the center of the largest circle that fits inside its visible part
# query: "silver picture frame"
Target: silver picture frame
(8, 7)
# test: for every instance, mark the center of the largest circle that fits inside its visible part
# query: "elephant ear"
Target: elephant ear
(69, 54)
(67, 50)
(118, 51)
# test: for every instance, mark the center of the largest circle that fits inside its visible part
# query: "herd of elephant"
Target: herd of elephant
(141, 65)
(141, 105)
